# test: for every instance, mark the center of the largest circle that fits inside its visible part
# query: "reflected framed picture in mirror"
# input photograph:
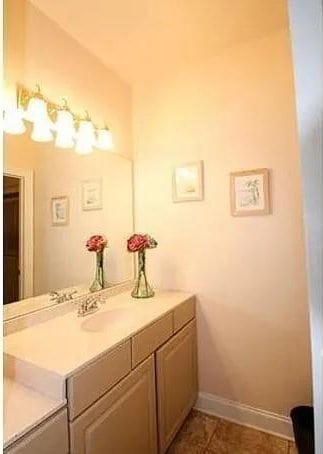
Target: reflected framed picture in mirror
(92, 194)
(60, 210)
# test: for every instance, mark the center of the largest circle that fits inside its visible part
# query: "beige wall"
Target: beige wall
(235, 112)
(38, 51)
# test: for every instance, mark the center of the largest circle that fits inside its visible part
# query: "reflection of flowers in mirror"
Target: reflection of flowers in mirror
(96, 243)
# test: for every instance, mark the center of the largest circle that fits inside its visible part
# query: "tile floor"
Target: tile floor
(204, 434)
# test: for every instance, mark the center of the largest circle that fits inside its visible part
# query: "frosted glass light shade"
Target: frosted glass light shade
(36, 110)
(64, 140)
(12, 121)
(42, 131)
(85, 137)
(65, 131)
(104, 141)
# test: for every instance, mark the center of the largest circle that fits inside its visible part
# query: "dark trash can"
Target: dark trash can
(303, 425)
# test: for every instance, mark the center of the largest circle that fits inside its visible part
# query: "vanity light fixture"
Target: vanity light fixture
(48, 118)
(85, 136)
(104, 140)
(64, 126)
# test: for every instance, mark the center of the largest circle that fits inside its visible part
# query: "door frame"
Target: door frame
(26, 229)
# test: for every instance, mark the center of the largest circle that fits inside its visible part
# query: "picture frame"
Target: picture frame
(250, 192)
(92, 194)
(60, 211)
(188, 182)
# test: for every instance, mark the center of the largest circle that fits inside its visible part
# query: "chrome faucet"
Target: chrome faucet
(62, 297)
(87, 306)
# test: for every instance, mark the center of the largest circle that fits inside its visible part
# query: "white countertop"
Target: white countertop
(65, 344)
(24, 409)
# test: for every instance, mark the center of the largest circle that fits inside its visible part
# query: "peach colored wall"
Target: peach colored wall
(234, 111)
(38, 51)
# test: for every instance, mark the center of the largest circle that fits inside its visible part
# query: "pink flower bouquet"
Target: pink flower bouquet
(96, 243)
(139, 243)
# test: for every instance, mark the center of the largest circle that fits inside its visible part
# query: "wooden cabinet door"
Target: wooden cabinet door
(176, 367)
(51, 437)
(123, 421)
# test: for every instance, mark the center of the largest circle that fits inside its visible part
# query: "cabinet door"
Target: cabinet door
(50, 437)
(176, 366)
(123, 421)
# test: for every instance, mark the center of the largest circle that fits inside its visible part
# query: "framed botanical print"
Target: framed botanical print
(59, 210)
(250, 193)
(92, 194)
(188, 182)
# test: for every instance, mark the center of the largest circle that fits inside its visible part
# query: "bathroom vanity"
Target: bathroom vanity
(123, 379)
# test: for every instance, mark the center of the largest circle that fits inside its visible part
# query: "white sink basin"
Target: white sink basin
(101, 320)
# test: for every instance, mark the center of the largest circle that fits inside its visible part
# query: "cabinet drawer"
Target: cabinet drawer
(51, 437)
(89, 384)
(149, 339)
(123, 421)
(184, 313)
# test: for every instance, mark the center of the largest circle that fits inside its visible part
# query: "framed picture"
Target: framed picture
(250, 193)
(60, 210)
(92, 194)
(188, 182)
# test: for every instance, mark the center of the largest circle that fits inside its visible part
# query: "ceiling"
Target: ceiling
(142, 39)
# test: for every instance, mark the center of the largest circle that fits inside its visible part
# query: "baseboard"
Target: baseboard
(245, 415)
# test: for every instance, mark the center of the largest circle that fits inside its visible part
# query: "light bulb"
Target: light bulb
(104, 141)
(65, 131)
(12, 121)
(42, 131)
(85, 137)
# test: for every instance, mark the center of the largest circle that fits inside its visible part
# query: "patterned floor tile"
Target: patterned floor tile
(197, 429)
(181, 447)
(230, 438)
(204, 434)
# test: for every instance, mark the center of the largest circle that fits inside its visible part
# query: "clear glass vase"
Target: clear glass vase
(99, 281)
(142, 289)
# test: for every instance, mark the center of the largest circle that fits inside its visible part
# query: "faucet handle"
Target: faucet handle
(69, 295)
(53, 295)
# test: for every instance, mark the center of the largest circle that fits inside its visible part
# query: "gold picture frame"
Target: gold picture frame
(250, 193)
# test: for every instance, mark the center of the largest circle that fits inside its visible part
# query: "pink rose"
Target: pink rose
(96, 243)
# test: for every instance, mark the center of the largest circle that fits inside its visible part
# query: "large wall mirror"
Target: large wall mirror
(54, 200)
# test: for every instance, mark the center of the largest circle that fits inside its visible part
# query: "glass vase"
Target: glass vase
(142, 289)
(99, 282)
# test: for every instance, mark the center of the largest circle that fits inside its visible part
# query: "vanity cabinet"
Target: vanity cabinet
(130, 399)
(177, 384)
(123, 421)
(51, 437)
